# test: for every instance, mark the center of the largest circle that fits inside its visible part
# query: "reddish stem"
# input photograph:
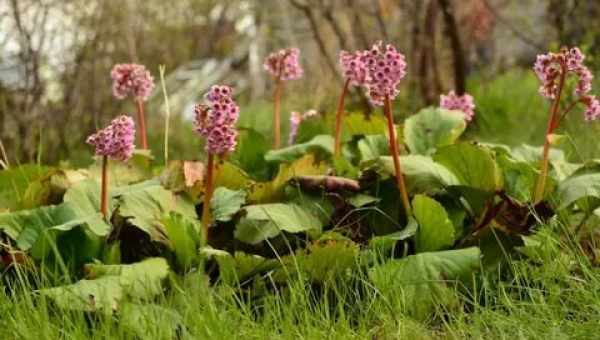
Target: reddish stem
(552, 125)
(142, 123)
(104, 188)
(277, 115)
(338, 120)
(208, 192)
(396, 155)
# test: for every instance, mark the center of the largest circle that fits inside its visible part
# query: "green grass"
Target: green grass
(552, 294)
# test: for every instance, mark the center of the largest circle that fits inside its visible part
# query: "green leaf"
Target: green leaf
(142, 279)
(311, 127)
(373, 146)
(360, 200)
(102, 295)
(357, 123)
(236, 268)
(322, 144)
(107, 285)
(84, 198)
(385, 244)
(582, 185)
(250, 152)
(418, 283)
(473, 165)
(50, 188)
(533, 154)
(436, 231)
(15, 181)
(343, 167)
(273, 191)
(231, 176)
(225, 203)
(144, 204)
(422, 174)
(328, 260)
(184, 176)
(137, 169)
(33, 229)
(432, 128)
(184, 238)
(519, 178)
(265, 221)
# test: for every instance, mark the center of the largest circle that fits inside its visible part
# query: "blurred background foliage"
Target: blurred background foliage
(56, 56)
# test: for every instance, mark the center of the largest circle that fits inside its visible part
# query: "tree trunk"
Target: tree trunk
(458, 55)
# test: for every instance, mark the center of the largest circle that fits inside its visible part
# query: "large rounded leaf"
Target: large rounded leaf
(373, 146)
(184, 238)
(320, 144)
(582, 184)
(422, 174)
(473, 165)
(14, 183)
(225, 203)
(432, 128)
(265, 221)
(107, 285)
(250, 152)
(272, 191)
(144, 204)
(419, 283)
(436, 231)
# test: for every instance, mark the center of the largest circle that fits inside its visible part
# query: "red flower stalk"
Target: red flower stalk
(385, 69)
(215, 121)
(283, 65)
(553, 70)
(115, 142)
(133, 80)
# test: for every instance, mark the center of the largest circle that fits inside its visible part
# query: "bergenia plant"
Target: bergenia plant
(554, 70)
(464, 103)
(282, 65)
(295, 119)
(354, 72)
(133, 81)
(215, 121)
(386, 67)
(116, 142)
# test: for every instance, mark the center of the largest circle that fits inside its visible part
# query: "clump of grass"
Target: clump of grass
(551, 293)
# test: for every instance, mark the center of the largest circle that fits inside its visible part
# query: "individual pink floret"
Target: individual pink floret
(464, 103)
(216, 118)
(116, 140)
(284, 64)
(131, 80)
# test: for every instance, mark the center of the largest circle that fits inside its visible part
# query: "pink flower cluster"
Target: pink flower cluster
(464, 103)
(385, 68)
(295, 119)
(216, 118)
(550, 67)
(354, 67)
(592, 110)
(115, 140)
(131, 80)
(284, 64)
